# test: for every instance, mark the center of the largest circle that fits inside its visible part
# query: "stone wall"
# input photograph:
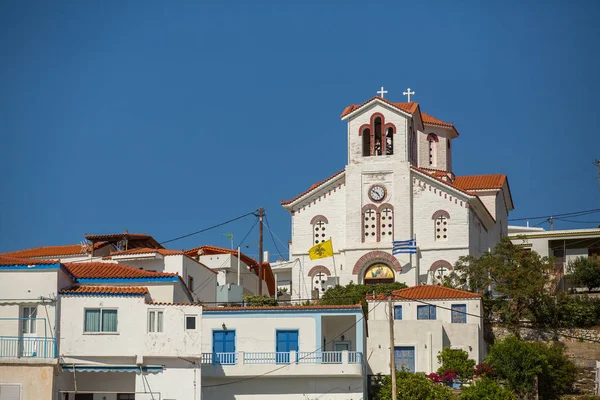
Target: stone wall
(537, 335)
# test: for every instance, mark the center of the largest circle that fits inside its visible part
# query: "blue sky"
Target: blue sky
(166, 119)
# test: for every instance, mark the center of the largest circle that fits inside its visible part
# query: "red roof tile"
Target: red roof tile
(53, 251)
(100, 270)
(475, 182)
(428, 119)
(409, 108)
(135, 239)
(312, 187)
(283, 308)
(174, 304)
(427, 292)
(106, 290)
(146, 250)
(8, 261)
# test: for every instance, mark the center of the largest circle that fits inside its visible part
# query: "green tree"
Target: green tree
(412, 386)
(520, 364)
(486, 389)
(521, 278)
(353, 293)
(585, 271)
(458, 361)
(259, 301)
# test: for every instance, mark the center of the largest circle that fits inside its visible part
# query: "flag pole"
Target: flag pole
(333, 259)
(417, 283)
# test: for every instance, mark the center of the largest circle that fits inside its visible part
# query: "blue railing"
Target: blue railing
(321, 357)
(27, 347)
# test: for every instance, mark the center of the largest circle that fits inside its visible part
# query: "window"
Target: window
(191, 282)
(425, 312)
(404, 358)
(387, 223)
(389, 142)
(432, 140)
(397, 312)
(100, 320)
(190, 322)
(319, 229)
(9, 391)
(155, 321)
(459, 313)
(366, 142)
(441, 228)
(370, 224)
(320, 282)
(29, 318)
(378, 136)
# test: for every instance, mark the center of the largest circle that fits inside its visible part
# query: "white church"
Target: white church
(398, 185)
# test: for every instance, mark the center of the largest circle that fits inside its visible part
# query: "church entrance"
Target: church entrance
(379, 273)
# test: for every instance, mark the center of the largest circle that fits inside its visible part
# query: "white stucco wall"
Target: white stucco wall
(36, 381)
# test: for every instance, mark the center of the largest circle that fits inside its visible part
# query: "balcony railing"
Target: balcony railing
(27, 347)
(321, 357)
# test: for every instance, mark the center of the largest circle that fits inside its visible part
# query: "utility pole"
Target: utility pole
(392, 360)
(261, 212)
(551, 220)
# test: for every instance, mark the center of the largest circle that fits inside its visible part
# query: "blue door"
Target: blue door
(286, 342)
(224, 347)
(405, 358)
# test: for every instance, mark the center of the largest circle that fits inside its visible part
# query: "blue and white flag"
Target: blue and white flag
(404, 246)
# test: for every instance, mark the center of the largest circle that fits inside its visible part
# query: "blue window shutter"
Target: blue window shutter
(398, 312)
(459, 315)
(432, 312)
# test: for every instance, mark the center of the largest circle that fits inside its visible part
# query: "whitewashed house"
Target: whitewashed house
(297, 352)
(427, 319)
(398, 184)
(127, 333)
(28, 327)
(563, 245)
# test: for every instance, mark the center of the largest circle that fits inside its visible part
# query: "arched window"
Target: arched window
(432, 140)
(320, 231)
(318, 276)
(386, 222)
(441, 225)
(370, 222)
(366, 140)
(389, 141)
(378, 137)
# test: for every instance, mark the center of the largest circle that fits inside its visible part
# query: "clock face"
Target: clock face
(377, 193)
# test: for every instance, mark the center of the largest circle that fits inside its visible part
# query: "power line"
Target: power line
(272, 237)
(571, 214)
(248, 234)
(580, 222)
(207, 229)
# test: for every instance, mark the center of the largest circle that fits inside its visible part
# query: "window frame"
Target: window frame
(458, 314)
(429, 313)
(155, 324)
(185, 320)
(396, 309)
(101, 331)
(28, 323)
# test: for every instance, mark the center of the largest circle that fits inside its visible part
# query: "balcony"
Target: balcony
(21, 347)
(282, 364)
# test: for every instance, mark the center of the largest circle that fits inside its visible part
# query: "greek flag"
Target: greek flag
(404, 246)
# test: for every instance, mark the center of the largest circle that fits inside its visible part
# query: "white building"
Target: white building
(563, 245)
(298, 352)
(427, 319)
(398, 185)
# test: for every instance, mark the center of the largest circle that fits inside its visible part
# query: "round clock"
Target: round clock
(377, 193)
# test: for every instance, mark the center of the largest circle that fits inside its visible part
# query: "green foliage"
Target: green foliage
(520, 363)
(259, 301)
(517, 363)
(521, 278)
(412, 386)
(486, 389)
(354, 294)
(566, 311)
(457, 361)
(585, 272)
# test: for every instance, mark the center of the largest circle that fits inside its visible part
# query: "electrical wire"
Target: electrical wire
(207, 229)
(248, 234)
(273, 238)
(580, 222)
(571, 214)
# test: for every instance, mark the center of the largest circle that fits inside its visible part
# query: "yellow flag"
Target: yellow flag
(322, 250)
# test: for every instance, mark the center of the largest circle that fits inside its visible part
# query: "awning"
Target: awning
(150, 369)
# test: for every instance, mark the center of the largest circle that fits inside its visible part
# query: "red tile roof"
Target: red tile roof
(146, 250)
(427, 292)
(312, 187)
(475, 182)
(284, 308)
(8, 261)
(106, 290)
(409, 108)
(174, 304)
(268, 276)
(53, 251)
(428, 119)
(135, 239)
(100, 270)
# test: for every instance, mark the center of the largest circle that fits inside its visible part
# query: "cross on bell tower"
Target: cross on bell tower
(408, 93)
(381, 92)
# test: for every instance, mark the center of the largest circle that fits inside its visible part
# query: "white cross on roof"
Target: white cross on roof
(408, 93)
(382, 92)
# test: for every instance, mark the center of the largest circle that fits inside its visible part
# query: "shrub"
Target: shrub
(558, 372)
(259, 301)
(457, 361)
(585, 271)
(486, 389)
(412, 386)
(484, 371)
